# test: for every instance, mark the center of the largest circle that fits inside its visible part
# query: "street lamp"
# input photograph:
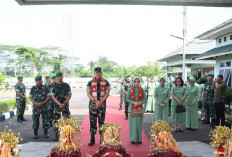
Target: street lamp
(184, 39)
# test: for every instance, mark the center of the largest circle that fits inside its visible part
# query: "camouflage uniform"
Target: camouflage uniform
(208, 100)
(39, 94)
(126, 86)
(51, 103)
(121, 98)
(61, 91)
(97, 113)
(21, 104)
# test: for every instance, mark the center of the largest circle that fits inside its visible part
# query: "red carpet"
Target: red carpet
(113, 115)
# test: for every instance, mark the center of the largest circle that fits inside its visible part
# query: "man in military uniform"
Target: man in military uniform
(61, 94)
(39, 96)
(20, 99)
(121, 94)
(51, 101)
(208, 95)
(48, 80)
(98, 90)
(126, 85)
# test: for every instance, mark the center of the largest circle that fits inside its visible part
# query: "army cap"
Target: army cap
(20, 76)
(98, 69)
(52, 76)
(59, 73)
(39, 77)
(127, 76)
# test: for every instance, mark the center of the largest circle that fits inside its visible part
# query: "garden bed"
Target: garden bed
(8, 105)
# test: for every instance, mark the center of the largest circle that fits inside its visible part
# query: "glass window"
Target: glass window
(225, 39)
(220, 41)
(231, 37)
(222, 64)
(228, 64)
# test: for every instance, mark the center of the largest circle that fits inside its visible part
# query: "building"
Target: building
(197, 68)
(222, 53)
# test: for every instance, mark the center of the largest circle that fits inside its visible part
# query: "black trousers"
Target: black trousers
(126, 107)
(220, 113)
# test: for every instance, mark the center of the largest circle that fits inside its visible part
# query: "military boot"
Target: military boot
(46, 135)
(35, 134)
(19, 119)
(56, 137)
(92, 140)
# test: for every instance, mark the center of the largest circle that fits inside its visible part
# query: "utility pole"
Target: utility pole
(184, 70)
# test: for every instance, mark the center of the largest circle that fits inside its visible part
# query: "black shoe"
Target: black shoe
(206, 122)
(182, 130)
(92, 140)
(46, 135)
(140, 142)
(188, 129)
(132, 142)
(24, 119)
(193, 129)
(35, 134)
(50, 124)
(126, 118)
(120, 108)
(56, 137)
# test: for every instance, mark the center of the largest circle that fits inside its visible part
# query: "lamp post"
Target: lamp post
(184, 40)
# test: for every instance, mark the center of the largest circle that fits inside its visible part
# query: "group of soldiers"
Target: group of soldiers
(50, 100)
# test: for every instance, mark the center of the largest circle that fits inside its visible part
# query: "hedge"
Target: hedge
(9, 105)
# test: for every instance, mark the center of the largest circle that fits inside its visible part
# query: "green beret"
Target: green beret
(20, 77)
(39, 77)
(127, 76)
(59, 73)
(211, 75)
(52, 76)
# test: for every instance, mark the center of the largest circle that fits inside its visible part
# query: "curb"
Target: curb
(12, 113)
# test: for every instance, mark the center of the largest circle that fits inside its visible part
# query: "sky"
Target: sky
(129, 35)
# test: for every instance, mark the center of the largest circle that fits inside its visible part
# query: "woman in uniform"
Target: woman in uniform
(136, 98)
(161, 95)
(192, 105)
(179, 94)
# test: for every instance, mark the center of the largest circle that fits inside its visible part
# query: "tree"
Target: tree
(2, 78)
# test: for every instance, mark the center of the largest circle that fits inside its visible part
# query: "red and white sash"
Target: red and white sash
(140, 98)
(102, 88)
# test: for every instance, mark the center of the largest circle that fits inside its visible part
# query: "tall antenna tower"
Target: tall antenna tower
(70, 32)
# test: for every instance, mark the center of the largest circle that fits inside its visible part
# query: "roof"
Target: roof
(215, 3)
(223, 50)
(219, 30)
(194, 47)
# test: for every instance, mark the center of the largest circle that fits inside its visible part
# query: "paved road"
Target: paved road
(79, 108)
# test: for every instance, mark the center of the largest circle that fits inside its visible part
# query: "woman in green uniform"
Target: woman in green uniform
(179, 94)
(161, 95)
(136, 98)
(192, 106)
(150, 100)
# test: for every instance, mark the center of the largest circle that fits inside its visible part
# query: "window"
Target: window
(228, 64)
(222, 64)
(225, 38)
(231, 37)
(220, 41)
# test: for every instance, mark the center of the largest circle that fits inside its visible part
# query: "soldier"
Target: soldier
(119, 82)
(48, 80)
(39, 96)
(51, 101)
(61, 94)
(208, 95)
(20, 99)
(125, 87)
(98, 90)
